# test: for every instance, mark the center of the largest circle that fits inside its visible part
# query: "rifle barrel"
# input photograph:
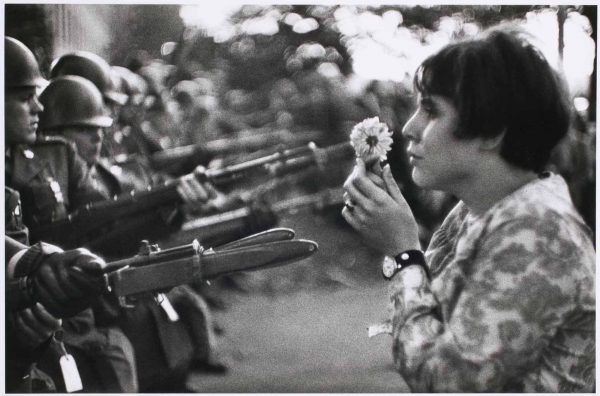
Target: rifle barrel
(171, 254)
(323, 198)
(226, 146)
(78, 227)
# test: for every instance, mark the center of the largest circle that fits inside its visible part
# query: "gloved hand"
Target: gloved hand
(204, 197)
(32, 326)
(194, 193)
(66, 283)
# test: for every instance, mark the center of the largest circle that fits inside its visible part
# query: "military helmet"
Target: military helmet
(133, 84)
(185, 91)
(72, 101)
(21, 69)
(91, 66)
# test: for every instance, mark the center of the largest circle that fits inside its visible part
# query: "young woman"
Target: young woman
(503, 298)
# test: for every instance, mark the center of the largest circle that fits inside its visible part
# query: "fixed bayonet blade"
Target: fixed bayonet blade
(160, 272)
(272, 235)
(255, 257)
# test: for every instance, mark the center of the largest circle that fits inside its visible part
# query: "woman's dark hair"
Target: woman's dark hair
(500, 82)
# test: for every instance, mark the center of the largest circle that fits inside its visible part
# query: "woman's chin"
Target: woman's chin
(419, 179)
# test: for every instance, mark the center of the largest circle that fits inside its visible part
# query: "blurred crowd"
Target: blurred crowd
(141, 136)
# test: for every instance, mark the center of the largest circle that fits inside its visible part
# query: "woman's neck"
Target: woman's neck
(493, 183)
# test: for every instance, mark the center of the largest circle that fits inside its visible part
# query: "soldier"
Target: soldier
(51, 179)
(74, 109)
(92, 67)
(32, 331)
(129, 137)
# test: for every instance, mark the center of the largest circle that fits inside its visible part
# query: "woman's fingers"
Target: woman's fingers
(391, 185)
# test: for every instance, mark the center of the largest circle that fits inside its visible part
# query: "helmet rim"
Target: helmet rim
(71, 101)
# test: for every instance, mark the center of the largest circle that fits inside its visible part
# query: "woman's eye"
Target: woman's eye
(428, 107)
(429, 110)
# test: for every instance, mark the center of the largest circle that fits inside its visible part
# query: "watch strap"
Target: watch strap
(412, 257)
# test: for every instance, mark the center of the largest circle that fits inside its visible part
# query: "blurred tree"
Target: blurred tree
(485, 15)
(253, 59)
(143, 29)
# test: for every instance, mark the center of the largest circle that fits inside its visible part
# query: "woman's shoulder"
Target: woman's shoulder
(540, 220)
(544, 202)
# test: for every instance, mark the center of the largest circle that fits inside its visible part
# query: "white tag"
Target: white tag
(70, 373)
(168, 308)
(380, 328)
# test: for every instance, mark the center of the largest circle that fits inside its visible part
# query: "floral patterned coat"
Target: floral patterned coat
(511, 303)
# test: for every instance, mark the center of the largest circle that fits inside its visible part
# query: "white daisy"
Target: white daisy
(371, 140)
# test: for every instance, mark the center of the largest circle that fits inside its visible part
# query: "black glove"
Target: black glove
(31, 326)
(66, 283)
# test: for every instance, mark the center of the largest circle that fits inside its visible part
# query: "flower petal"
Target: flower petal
(371, 139)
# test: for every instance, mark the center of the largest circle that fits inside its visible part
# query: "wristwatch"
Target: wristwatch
(392, 265)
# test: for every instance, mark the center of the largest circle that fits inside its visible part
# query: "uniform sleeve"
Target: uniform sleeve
(12, 247)
(513, 295)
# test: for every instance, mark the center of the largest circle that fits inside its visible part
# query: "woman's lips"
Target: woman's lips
(413, 158)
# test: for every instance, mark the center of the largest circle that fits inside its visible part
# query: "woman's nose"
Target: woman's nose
(411, 129)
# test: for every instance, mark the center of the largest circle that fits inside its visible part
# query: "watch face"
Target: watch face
(389, 267)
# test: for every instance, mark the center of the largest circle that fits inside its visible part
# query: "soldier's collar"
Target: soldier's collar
(22, 149)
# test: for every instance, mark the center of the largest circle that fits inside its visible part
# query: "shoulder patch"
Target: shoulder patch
(46, 139)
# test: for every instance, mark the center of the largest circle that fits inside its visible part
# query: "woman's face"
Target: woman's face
(88, 140)
(440, 161)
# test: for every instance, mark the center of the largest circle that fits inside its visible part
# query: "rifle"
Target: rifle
(237, 223)
(78, 226)
(153, 270)
(175, 159)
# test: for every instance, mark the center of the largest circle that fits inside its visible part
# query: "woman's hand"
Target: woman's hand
(380, 215)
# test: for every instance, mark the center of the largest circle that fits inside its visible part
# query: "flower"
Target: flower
(371, 140)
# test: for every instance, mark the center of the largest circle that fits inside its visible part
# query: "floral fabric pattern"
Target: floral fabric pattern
(511, 304)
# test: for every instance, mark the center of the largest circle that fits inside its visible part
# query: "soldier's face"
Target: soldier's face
(21, 115)
(88, 140)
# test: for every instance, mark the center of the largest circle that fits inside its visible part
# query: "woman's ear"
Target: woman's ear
(493, 143)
